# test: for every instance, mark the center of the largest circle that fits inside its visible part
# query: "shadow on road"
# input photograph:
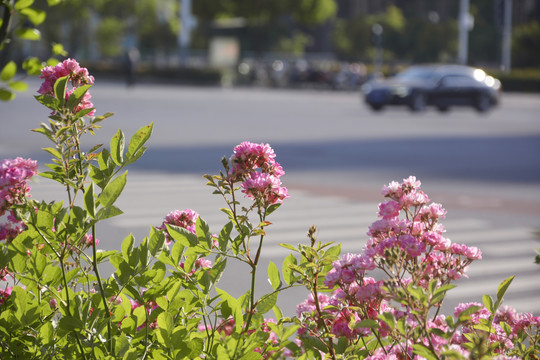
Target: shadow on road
(504, 159)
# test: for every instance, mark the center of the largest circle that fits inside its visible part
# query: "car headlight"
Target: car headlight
(366, 88)
(401, 91)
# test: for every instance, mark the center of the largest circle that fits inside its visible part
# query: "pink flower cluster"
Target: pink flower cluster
(78, 76)
(14, 175)
(185, 219)
(5, 294)
(408, 245)
(255, 165)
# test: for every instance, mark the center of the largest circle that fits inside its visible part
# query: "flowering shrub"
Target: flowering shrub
(163, 299)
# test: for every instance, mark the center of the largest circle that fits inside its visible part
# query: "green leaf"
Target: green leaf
(112, 191)
(127, 246)
(6, 95)
(488, 303)
(46, 333)
(28, 34)
(8, 72)
(503, 286)
(136, 143)
(273, 276)
(177, 251)
(109, 212)
(234, 306)
(32, 66)
(35, 16)
(60, 89)
(267, 302)
(367, 323)
(121, 345)
(288, 274)
(49, 101)
(22, 4)
(165, 322)
(157, 239)
(272, 208)
(76, 97)
(185, 237)
(58, 49)
(118, 143)
(424, 351)
(388, 318)
(277, 312)
(89, 203)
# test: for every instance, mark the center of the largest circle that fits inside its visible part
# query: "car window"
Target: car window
(415, 73)
(458, 81)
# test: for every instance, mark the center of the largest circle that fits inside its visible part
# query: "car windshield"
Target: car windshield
(416, 73)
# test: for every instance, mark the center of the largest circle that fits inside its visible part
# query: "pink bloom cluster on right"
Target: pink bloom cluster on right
(255, 166)
(408, 245)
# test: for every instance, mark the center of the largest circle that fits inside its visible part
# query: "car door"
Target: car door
(456, 89)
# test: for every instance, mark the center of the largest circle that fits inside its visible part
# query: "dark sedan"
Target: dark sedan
(441, 86)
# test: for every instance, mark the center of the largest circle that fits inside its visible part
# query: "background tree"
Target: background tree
(269, 23)
(19, 20)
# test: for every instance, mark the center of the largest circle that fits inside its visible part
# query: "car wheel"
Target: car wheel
(376, 107)
(418, 102)
(443, 109)
(483, 103)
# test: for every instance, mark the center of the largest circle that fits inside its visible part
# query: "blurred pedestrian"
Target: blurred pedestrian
(131, 59)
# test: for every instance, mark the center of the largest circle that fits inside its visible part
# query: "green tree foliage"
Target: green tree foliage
(108, 36)
(526, 45)
(19, 20)
(303, 11)
(404, 37)
(269, 22)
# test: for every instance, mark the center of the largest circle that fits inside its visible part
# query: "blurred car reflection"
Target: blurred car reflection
(441, 86)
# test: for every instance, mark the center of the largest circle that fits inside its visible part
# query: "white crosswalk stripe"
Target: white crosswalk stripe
(506, 250)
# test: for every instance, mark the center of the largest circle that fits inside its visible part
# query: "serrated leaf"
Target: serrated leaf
(8, 72)
(113, 190)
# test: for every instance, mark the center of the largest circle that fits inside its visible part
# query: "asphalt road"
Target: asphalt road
(484, 168)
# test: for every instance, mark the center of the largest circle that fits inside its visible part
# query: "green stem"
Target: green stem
(101, 290)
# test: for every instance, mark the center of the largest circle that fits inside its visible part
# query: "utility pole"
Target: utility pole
(464, 24)
(187, 23)
(506, 48)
